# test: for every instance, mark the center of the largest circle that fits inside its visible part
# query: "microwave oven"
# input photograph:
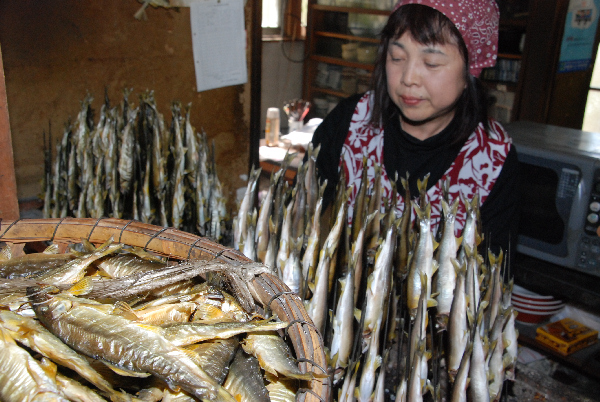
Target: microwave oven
(560, 194)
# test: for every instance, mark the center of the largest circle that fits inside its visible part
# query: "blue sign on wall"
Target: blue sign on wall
(578, 39)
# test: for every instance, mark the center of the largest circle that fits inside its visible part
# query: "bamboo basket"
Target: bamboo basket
(175, 244)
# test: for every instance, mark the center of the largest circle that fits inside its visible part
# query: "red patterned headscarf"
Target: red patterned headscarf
(477, 21)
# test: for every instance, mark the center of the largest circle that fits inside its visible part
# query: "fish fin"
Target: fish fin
(82, 287)
(470, 317)
(378, 362)
(125, 372)
(205, 311)
(357, 314)
(429, 387)
(124, 310)
(445, 207)
(88, 246)
(51, 249)
(506, 360)
(334, 358)
(431, 303)
(151, 328)
(506, 342)
(49, 367)
(420, 214)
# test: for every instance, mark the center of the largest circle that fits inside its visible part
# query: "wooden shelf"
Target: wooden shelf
(341, 62)
(358, 10)
(346, 37)
(327, 29)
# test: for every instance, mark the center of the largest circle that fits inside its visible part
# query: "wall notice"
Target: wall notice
(219, 43)
(578, 39)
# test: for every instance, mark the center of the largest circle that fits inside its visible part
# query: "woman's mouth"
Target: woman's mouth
(410, 100)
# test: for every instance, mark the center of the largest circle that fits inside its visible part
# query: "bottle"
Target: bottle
(272, 127)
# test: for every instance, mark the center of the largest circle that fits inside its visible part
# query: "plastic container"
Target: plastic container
(272, 127)
(348, 81)
(349, 51)
(366, 54)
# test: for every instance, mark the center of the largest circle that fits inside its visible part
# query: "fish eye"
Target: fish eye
(44, 309)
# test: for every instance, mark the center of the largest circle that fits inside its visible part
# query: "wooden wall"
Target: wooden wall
(9, 208)
(57, 51)
(547, 96)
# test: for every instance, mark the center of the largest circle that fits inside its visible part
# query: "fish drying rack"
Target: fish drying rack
(179, 245)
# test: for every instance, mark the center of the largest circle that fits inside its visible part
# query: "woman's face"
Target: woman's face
(424, 81)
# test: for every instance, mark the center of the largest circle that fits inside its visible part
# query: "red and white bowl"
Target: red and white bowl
(534, 317)
(525, 294)
(542, 303)
(538, 308)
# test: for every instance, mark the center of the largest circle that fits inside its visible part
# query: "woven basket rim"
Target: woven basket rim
(174, 243)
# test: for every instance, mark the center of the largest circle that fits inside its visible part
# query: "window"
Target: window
(270, 13)
(285, 18)
(591, 118)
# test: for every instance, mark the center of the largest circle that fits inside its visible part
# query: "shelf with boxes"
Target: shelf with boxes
(342, 41)
(503, 79)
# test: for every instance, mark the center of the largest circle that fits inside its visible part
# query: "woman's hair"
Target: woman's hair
(427, 26)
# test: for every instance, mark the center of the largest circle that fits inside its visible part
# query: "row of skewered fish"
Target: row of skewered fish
(434, 317)
(118, 323)
(131, 165)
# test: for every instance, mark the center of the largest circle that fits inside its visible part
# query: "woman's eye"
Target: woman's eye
(396, 57)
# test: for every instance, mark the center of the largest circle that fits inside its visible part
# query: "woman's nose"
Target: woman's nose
(410, 75)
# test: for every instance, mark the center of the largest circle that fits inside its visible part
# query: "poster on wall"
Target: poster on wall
(577, 45)
(219, 43)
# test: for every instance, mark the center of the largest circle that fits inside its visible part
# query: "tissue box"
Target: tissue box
(566, 336)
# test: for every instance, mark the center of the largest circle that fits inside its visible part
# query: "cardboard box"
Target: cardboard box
(566, 336)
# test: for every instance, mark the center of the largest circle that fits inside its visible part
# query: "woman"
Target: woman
(427, 114)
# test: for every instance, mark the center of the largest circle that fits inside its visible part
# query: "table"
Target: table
(270, 158)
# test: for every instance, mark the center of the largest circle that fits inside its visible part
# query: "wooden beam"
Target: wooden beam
(255, 83)
(9, 204)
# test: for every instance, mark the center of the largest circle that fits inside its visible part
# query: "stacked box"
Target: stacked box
(566, 336)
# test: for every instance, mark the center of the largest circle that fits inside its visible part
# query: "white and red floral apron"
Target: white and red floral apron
(474, 171)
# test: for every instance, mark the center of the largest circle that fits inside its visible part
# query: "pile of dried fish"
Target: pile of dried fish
(120, 323)
(400, 312)
(130, 165)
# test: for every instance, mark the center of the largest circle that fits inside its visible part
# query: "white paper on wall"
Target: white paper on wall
(219, 43)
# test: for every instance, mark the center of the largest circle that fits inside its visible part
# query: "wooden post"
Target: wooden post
(9, 205)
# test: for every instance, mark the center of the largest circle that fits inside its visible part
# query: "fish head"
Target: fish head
(45, 303)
